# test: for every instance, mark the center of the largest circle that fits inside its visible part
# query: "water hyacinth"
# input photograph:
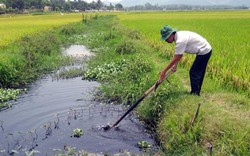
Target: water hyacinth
(144, 145)
(77, 132)
(100, 73)
(132, 68)
(9, 94)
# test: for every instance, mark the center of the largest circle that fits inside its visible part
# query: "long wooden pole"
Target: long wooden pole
(141, 98)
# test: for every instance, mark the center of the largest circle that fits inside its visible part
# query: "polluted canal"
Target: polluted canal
(44, 119)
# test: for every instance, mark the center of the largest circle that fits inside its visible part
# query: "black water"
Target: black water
(45, 117)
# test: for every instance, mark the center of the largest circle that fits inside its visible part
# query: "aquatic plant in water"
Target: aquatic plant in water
(144, 145)
(77, 132)
(9, 94)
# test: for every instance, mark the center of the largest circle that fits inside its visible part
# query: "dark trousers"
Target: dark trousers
(197, 72)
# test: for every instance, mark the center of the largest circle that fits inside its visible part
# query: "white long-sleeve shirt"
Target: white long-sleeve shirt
(191, 42)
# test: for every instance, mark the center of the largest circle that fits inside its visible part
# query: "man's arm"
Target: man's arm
(172, 64)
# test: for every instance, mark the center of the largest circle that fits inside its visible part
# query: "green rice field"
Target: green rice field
(224, 115)
(227, 31)
(12, 27)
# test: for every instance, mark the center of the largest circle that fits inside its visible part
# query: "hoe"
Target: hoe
(154, 87)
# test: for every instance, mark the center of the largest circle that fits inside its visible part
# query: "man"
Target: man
(192, 43)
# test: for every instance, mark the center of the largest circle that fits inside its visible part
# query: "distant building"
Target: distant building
(75, 10)
(47, 8)
(3, 6)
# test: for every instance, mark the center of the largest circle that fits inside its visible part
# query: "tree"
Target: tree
(39, 4)
(110, 7)
(118, 6)
(148, 6)
(46, 3)
(20, 5)
(67, 6)
(82, 6)
(2, 11)
(74, 4)
(17, 4)
(93, 5)
(99, 4)
(6, 2)
(35, 4)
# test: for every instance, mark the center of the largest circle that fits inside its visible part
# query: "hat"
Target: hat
(166, 31)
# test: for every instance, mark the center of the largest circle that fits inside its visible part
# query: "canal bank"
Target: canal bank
(44, 119)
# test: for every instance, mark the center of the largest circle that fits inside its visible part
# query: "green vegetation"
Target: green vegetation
(77, 132)
(144, 145)
(30, 56)
(13, 27)
(7, 95)
(128, 59)
(224, 113)
(225, 30)
(35, 49)
(43, 6)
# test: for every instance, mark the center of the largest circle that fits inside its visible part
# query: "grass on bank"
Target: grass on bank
(31, 56)
(223, 118)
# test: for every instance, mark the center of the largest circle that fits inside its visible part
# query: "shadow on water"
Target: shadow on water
(45, 117)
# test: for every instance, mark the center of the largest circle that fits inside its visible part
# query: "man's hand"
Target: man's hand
(162, 75)
(161, 78)
(174, 68)
(172, 65)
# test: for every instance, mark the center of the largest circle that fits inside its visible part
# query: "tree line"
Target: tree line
(14, 6)
(149, 6)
